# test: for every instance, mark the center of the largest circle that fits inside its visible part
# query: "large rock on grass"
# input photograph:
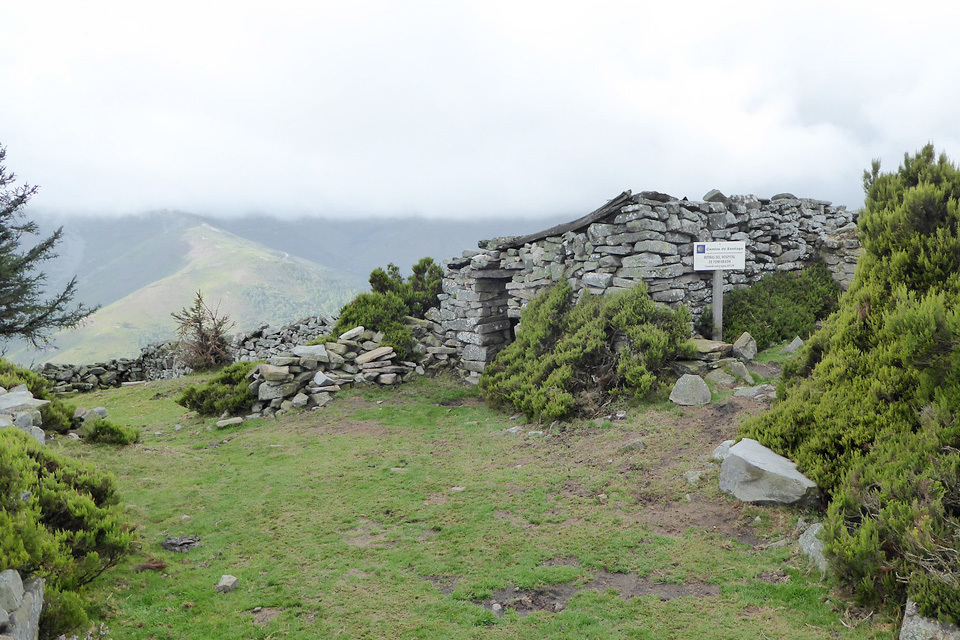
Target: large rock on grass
(690, 390)
(754, 473)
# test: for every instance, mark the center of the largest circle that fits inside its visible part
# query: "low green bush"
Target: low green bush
(224, 392)
(106, 432)
(870, 409)
(778, 307)
(59, 519)
(391, 300)
(572, 358)
(58, 415)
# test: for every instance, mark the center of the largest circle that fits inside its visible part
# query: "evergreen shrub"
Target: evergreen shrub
(59, 519)
(778, 307)
(871, 408)
(572, 358)
(106, 432)
(224, 392)
(391, 300)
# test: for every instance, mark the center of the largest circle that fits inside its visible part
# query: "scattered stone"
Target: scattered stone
(633, 446)
(99, 412)
(497, 609)
(739, 370)
(721, 377)
(229, 422)
(73, 436)
(514, 430)
(180, 545)
(759, 392)
(721, 452)
(690, 390)
(745, 348)
(178, 427)
(754, 473)
(794, 346)
(227, 584)
(375, 354)
(693, 477)
(812, 546)
(917, 627)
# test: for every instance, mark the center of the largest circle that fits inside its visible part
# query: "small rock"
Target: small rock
(721, 377)
(794, 346)
(514, 430)
(73, 436)
(497, 609)
(227, 584)
(353, 333)
(180, 545)
(229, 422)
(693, 477)
(721, 452)
(633, 445)
(739, 370)
(812, 546)
(745, 348)
(178, 427)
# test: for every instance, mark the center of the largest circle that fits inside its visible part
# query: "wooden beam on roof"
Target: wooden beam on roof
(579, 223)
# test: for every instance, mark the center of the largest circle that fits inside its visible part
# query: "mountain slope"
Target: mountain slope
(251, 284)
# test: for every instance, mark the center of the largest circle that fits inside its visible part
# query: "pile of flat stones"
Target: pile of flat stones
(308, 376)
(266, 342)
(18, 408)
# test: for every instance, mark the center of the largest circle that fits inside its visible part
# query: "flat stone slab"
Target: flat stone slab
(17, 401)
(352, 333)
(704, 346)
(370, 356)
(316, 351)
(754, 473)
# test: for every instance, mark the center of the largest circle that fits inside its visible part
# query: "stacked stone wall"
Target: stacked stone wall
(647, 237)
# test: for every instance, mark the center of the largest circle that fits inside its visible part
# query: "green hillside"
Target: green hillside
(253, 285)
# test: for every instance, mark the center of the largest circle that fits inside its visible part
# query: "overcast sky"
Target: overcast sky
(465, 109)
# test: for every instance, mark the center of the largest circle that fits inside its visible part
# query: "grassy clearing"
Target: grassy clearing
(406, 513)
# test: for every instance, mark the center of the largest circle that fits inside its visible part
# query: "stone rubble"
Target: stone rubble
(18, 408)
(754, 473)
(20, 604)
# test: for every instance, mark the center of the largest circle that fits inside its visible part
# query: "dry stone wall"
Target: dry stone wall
(647, 237)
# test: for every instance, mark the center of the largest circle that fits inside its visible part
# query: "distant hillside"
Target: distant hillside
(252, 284)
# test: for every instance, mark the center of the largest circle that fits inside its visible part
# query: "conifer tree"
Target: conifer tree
(25, 309)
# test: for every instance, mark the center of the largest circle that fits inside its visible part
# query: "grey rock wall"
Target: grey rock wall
(646, 237)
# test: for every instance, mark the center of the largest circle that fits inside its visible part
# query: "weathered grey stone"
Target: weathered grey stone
(754, 473)
(227, 584)
(598, 280)
(917, 627)
(273, 373)
(379, 352)
(723, 450)
(690, 390)
(759, 392)
(795, 345)
(321, 379)
(228, 422)
(15, 401)
(317, 351)
(721, 377)
(387, 378)
(352, 333)
(11, 590)
(739, 370)
(812, 546)
(633, 446)
(745, 347)
(274, 390)
(25, 621)
(642, 260)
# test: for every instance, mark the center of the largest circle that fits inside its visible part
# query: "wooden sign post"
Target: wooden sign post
(718, 257)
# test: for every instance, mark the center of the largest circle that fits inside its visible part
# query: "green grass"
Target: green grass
(395, 513)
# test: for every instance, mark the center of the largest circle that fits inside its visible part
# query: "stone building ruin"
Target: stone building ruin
(645, 237)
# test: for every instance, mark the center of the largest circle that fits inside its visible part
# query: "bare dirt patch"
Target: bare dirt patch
(554, 599)
(262, 616)
(368, 533)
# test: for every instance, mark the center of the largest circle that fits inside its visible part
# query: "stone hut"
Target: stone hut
(632, 238)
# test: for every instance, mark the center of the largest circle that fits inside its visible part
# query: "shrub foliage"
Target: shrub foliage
(225, 392)
(392, 300)
(59, 519)
(203, 335)
(870, 408)
(106, 432)
(778, 307)
(571, 358)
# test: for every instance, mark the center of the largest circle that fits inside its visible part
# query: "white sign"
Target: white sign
(719, 256)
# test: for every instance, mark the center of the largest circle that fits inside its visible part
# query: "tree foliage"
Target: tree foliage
(870, 410)
(203, 335)
(572, 358)
(25, 311)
